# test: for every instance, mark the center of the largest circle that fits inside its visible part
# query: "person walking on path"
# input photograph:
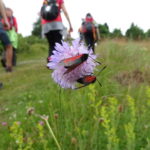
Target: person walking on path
(52, 28)
(4, 37)
(89, 31)
(13, 36)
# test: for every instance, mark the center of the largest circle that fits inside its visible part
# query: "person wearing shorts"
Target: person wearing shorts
(4, 37)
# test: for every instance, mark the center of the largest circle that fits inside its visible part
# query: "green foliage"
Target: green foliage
(148, 33)
(41, 134)
(148, 96)
(116, 33)
(104, 30)
(16, 133)
(147, 147)
(110, 123)
(135, 33)
(130, 126)
(25, 43)
(91, 118)
(37, 28)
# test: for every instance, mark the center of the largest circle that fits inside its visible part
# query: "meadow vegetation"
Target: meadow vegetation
(112, 117)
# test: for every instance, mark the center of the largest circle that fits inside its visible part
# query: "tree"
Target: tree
(116, 33)
(104, 30)
(135, 33)
(148, 33)
(37, 28)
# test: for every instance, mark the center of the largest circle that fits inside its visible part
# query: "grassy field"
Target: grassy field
(112, 117)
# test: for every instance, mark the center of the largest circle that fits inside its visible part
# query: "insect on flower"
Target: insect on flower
(70, 62)
(73, 62)
(88, 79)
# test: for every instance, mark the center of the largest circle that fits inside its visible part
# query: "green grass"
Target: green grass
(78, 117)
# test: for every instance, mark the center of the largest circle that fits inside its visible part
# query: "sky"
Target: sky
(116, 13)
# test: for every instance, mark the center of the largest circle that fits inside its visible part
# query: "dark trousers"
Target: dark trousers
(89, 40)
(53, 37)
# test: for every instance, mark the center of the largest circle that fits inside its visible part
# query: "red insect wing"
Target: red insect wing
(72, 58)
(89, 79)
(71, 68)
(74, 61)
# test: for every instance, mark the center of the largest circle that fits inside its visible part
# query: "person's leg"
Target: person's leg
(57, 38)
(8, 47)
(53, 37)
(3, 59)
(49, 39)
(86, 38)
(14, 59)
(89, 40)
(9, 54)
(92, 42)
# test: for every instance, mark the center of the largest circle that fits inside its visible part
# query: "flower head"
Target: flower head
(4, 123)
(64, 51)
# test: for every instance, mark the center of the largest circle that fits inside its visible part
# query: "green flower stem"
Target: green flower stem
(52, 133)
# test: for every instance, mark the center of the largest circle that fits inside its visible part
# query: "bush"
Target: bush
(25, 43)
(135, 33)
(116, 33)
(148, 34)
(104, 30)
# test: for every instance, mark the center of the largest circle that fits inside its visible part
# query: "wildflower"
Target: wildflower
(41, 123)
(73, 140)
(120, 108)
(101, 120)
(56, 116)
(4, 124)
(30, 111)
(65, 51)
(44, 117)
(18, 122)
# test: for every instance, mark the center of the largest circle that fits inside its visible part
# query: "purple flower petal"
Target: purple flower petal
(64, 51)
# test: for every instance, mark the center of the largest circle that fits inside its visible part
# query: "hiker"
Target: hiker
(89, 32)
(52, 26)
(12, 34)
(4, 37)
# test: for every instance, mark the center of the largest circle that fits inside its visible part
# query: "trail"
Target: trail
(30, 62)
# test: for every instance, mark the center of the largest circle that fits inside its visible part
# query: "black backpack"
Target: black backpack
(88, 27)
(50, 10)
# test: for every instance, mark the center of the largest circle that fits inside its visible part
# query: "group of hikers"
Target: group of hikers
(52, 29)
(52, 26)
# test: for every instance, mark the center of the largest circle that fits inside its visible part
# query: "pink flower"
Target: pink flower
(65, 51)
(41, 123)
(4, 124)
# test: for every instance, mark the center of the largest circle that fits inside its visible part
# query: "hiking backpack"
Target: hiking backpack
(50, 10)
(88, 27)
